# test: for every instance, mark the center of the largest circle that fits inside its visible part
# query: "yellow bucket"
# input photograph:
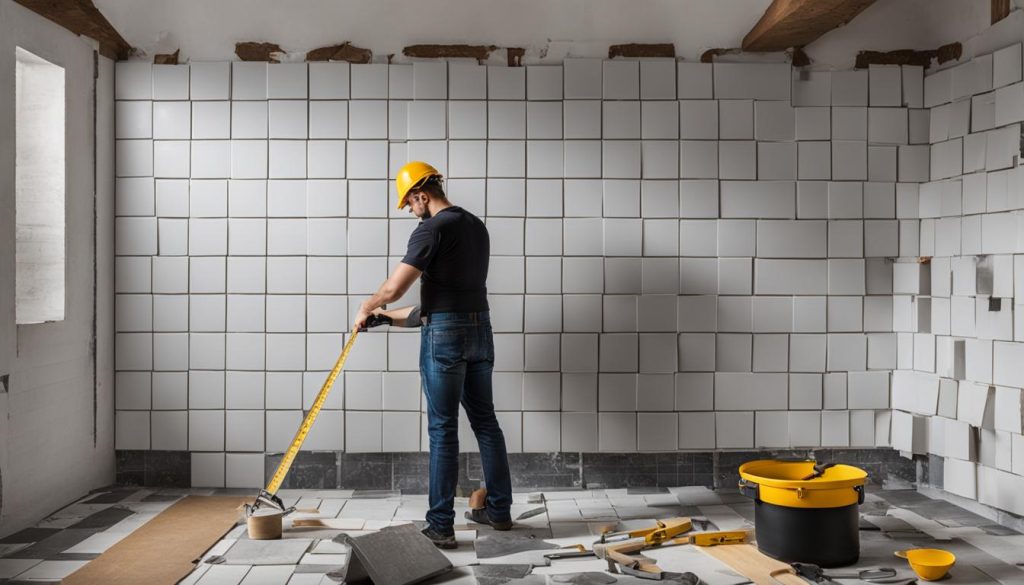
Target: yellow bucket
(781, 483)
(930, 564)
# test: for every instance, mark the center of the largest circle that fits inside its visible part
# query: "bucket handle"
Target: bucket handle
(750, 490)
(753, 491)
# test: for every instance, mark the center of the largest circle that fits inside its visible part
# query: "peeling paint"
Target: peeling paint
(950, 52)
(166, 58)
(344, 52)
(478, 52)
(251, 51)
(799, 57)
(515, 56)
(709, 55)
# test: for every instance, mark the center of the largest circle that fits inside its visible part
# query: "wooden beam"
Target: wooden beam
(635, 50)
(797, 23)
(1000, 10)
(83, 18)
(478, 52)
(344, 52)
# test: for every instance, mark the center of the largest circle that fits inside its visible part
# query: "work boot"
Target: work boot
(440, 540)
(479, 515)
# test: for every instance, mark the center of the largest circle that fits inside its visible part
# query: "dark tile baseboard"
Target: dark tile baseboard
(408, 472)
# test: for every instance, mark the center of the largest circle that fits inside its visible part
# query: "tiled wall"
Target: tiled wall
(957, 393)
(684, 256)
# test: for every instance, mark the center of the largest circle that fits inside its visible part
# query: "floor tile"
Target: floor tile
(269, 575)
(51, 570)
(12, 567)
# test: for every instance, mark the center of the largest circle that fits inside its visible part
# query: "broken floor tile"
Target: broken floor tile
(9, 568)
(29, 535)
(268, 575)
(8, 549)
(267, 552)
(54, 545)
(103, 519)
(97, 543)
(51, 570)
(336, 560)
(224, 575)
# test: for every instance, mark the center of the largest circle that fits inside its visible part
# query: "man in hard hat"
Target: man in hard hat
(449, 251)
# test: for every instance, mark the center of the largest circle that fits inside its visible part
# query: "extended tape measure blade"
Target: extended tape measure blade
(307, 423)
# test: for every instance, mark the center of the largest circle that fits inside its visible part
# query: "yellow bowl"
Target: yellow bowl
(930, 564)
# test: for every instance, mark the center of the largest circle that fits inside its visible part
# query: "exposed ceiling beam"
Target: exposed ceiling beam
(82, 18)
(1000, 10)
(797, 23)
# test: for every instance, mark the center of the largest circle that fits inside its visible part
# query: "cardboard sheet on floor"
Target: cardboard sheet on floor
(750, 562)
(162, 550)
(684, 558)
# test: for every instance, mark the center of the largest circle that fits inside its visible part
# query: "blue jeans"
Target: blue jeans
(456, 362)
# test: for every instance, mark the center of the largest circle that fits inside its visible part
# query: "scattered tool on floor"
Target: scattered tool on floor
(661, 531)
(267, 524)
(616, 553)
(816, 574)
(930, 564)
(615, 547)
(531, 513)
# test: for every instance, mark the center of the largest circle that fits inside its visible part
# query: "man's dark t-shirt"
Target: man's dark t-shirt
(452, 249)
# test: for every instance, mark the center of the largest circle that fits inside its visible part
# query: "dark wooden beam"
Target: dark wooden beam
(344, 52)
(253, 51)
(1000, 10)
(635, 50)
(950, 52)
(797, 23)
(83, 18)
(478, 52)
(515, 56)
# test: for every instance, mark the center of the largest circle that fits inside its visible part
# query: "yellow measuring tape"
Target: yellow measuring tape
(307, 424)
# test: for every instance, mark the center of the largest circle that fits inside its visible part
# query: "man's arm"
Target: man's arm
(393, 288)
(402, 317)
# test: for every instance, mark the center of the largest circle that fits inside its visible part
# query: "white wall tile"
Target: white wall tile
(133, 81)
(506, 83)
(736, 119)
(658, 79)
(329, 80)
(210, 80)
(621, 80)
(287, 81)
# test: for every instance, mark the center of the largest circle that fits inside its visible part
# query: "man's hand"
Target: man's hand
(359, 323)
(393, 288)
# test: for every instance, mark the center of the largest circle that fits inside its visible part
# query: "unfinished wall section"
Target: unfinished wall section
(957, 391)
(56, 431)
(685, 257)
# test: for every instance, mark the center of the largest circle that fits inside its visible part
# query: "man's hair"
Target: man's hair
(434, 187)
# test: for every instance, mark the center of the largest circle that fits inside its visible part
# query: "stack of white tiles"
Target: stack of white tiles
(957, 393)
(684, 255)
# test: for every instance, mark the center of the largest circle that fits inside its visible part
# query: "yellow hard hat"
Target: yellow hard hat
(411, 175)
